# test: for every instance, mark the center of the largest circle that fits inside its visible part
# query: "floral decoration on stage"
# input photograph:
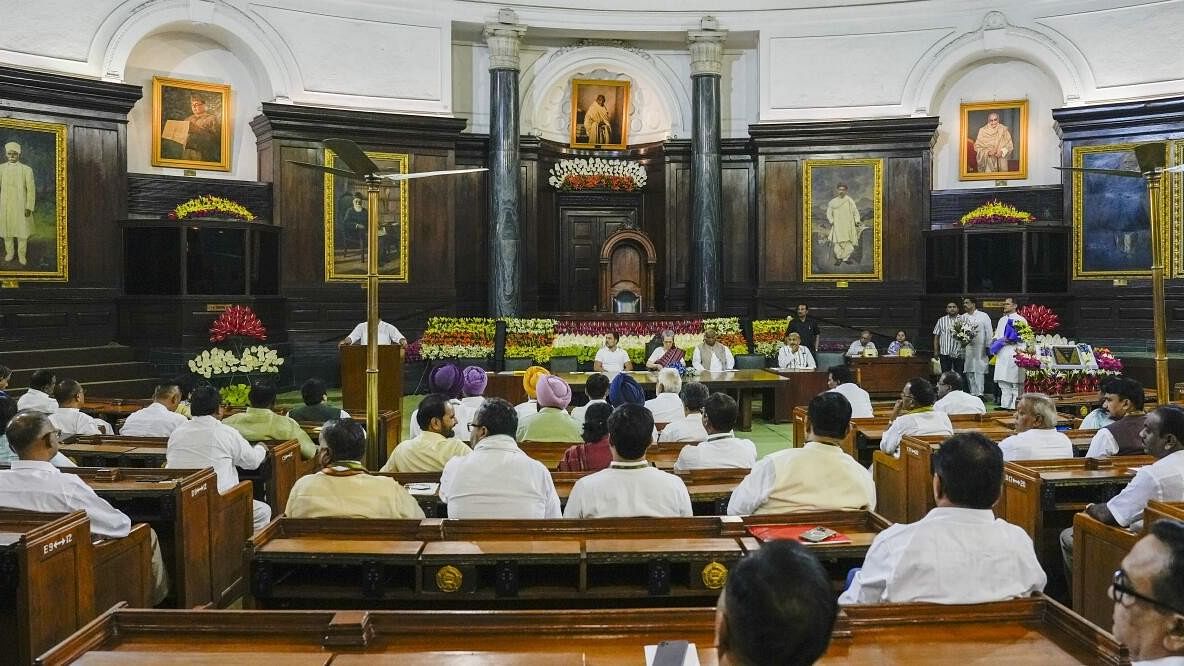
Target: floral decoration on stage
(1037, 356)
(1041, 318)
(767, 336)
(235, 360)
(597, 174)
(530, 338)
(457, 337)
(237, 321)
(209, 205)
(997, 212)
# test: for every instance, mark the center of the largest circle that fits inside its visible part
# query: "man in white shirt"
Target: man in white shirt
(1148, 596)
(596, 388)
(793, 355)
(818, 476)
(948, 349)
(959, 553)
(1008, 375)
(1037, 437)
(721, 448)
(157, 419)
(387, 335)
(863, 346)
(666, 405)
(688, 428)
(497, 480)
(34, 484)
(630, 486)
(974, 361)
(913, 414)
(712, 356)
(951, 399)
(1122, 437)
(207, 442)
(38, 396)
(68, 417)
(610, 357)
(839, 380)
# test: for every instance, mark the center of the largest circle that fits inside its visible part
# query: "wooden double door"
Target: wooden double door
(582, 232)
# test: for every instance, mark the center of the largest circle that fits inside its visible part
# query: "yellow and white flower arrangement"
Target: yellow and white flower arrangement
(209, 205)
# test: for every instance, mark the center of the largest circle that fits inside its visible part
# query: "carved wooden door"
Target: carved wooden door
(582, 232)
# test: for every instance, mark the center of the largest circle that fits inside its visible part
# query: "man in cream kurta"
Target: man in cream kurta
(435, 445)
(1008, 375)
(993, 145)
(845, 225)
(712, 356)
(975, 364)
(913, 414)
(18, 196)
(596, 122)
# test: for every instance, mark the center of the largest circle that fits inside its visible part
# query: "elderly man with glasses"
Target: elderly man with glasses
(1148, 594)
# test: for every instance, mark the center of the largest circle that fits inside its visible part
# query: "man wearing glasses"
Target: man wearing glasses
(1148, 594)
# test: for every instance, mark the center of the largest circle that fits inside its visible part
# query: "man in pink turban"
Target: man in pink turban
(552, 423)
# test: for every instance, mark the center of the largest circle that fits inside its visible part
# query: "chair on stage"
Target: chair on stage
(564, 364)
(751, 361)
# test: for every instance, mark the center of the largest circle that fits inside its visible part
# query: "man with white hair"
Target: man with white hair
(666, 406)
(18, 195)
(1037, 437)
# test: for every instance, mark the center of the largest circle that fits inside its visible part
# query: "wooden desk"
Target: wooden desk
(1081, 404)
(801, 388)
(47, 585)
(389, 433)
(1023, 631)
(1098, 551)
(888, 474)
(867, 433)
(885, 376)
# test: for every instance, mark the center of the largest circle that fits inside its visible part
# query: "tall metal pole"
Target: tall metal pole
(373, 455)
(1159, 317)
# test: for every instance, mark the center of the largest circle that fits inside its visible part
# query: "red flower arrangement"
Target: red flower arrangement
(599, 182)
(1041, 318)
(237, 321)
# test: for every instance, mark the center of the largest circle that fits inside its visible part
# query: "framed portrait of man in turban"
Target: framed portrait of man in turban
(993, 144)
(347, 219)
(33, 201)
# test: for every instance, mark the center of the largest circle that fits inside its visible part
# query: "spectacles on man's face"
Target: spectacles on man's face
(1120, 589)
(57, 434)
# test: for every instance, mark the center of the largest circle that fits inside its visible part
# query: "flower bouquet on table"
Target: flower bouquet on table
(530, 338)
(1108, 363)
(597, 174)
(1041, 318)
(234, 362)
(684, 370)
(209, 205)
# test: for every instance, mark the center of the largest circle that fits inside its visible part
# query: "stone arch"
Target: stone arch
(659, 102)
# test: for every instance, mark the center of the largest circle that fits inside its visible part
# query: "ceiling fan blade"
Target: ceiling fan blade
(1174, 169)
(1111, 172)
(322, 167)
(1151, 156)
(353, 156)
(396, 177)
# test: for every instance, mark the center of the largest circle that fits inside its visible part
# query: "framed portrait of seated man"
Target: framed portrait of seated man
(347, 219)
(599, 114)
(993, 141)
(190, 124)
(33, 201)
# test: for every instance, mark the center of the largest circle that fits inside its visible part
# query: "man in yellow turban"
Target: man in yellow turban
(530, 382)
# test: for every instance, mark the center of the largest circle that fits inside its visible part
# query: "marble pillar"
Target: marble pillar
(706, 47)
(505, 236)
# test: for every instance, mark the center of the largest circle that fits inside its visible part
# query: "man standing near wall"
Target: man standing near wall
(975, 353)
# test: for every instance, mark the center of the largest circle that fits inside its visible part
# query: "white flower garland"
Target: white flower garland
(596, 166)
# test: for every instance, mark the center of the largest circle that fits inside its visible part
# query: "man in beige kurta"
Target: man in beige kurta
(596, 122)
(992, 145)
(17, 197)
(843, 215)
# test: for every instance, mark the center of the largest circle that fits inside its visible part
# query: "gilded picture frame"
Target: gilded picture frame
(1175, 193)
(1111, 215)
(842, 220)
(191, 124)
(599, 114)
(33, 201)
(345, 224)
(986, 131)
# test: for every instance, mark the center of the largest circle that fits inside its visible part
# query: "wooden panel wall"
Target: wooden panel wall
(83, 310)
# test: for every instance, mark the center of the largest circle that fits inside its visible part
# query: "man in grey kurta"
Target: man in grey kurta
(17, 198)
(975, 365)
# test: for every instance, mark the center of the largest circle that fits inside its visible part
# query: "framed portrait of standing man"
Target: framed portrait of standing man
(599, 114)
(190, 124)
(33, 201)
(993, 143)
(842, 219)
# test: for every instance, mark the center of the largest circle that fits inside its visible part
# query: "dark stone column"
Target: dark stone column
(706, 178)
(505, 241)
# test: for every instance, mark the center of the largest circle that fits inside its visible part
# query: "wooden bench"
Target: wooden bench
(662, 454)
(1098, 550)
(1023, 631)
(389, 432)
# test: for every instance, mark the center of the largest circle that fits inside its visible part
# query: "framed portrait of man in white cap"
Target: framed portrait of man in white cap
(33, 201)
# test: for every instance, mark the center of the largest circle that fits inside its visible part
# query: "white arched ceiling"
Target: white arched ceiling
(659, 105)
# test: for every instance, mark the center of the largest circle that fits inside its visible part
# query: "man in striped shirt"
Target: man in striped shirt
(947, 347)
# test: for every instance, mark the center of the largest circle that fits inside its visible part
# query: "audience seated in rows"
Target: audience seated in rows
(721, 448)
(1148, 594)
(913, 414)
(205, 441)
(159, 418)
(315, 408)
(69, 418)
(344, 489)
(818, 476)
(712, 356)
(776, 608)
(951, 399)
(793, 355)
(436, 443)
(689, 427)
(498, 479)
(447, 380)
(472, 387)
(259, 423)
(595, 453)
(1098, 418)
(630, 486)
(7, 454)
(530, 380)
(959, 553)
(551, 423)
(596, 390)
(1124, 402)
(1162, 435)
(34, 484)
(1037, 437)
(666, 405)
(840, 380)
(38, 395)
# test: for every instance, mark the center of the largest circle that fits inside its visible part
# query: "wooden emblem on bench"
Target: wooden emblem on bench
(449, 578)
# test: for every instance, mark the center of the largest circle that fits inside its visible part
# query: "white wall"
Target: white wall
(196, 58)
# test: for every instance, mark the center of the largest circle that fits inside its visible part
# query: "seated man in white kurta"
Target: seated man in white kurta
(157, 419)
(1037, 437)
(793, 355)
(913, 414)
(69, 418)
(839, 380)
(712, 356)
(689, 428)
(818, 476)
(610, 357)
(666, 405)
(722, 448)
(630, 486)
(959, 553)
(951, 399)
(38, 395)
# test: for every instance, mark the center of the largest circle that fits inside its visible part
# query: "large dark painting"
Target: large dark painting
(1111, 219)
